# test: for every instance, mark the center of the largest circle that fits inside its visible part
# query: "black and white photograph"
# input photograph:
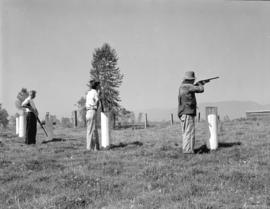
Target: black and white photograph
(146, 104)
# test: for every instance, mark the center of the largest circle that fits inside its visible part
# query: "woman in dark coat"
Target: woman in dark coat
(31, 118)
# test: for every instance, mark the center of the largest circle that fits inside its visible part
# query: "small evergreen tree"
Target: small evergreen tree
(12, 121)
(104, 69)
(82, 109)
(125, 117)
(3, 117)
(66, 122)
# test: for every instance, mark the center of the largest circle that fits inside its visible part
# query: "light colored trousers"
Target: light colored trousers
(188, 133)
(92, 140)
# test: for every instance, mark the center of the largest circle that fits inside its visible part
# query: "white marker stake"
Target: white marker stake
(212, 123)
(105, 130)
(22, 125)
(17, 125)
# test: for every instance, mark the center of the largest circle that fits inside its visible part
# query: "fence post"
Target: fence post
(145, 122)
(199, 117)
(75, 121)
(171, 118)
(134, 122)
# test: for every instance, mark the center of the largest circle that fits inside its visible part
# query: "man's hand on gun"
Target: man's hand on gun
(201, 82)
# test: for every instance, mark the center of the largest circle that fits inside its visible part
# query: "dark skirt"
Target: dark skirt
(31, 128)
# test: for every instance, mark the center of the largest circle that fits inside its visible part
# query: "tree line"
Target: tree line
(104, 68)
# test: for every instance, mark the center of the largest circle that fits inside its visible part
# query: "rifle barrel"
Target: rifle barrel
(213, 78)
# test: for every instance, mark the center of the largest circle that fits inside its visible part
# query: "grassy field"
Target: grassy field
(144, 169)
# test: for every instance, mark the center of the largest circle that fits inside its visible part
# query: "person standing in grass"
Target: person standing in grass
(31, 118)
(187, 105)
(92, 103)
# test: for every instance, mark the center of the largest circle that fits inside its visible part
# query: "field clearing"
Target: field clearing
(144, 169)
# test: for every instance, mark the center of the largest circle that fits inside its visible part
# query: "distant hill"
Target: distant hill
(232, 109)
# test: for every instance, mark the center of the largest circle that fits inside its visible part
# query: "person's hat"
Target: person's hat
(94, 83)
(189, 75)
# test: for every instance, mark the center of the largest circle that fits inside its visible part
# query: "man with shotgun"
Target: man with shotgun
(187, 106)
(31, 118)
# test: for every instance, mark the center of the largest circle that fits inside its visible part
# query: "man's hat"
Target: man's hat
(189, 75)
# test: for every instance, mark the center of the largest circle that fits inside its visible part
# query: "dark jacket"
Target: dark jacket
(187, 103)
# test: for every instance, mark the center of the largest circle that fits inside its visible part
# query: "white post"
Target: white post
(22, 125)
(213, 141)
(17, 125)
(105, 129)
(211, 113)
(49, 126)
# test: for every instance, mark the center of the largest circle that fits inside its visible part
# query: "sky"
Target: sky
(47, 45)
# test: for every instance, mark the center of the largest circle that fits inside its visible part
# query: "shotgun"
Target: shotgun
(41, 125)
(202, 82)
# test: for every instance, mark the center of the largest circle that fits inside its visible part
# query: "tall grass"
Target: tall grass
(62, 175)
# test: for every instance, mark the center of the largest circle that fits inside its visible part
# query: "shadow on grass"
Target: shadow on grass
(133, 127)
(204, 149)
(121, 145)
(228, 144)
(54, 140)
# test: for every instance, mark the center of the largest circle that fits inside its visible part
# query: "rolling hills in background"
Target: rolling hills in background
(232, 109)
